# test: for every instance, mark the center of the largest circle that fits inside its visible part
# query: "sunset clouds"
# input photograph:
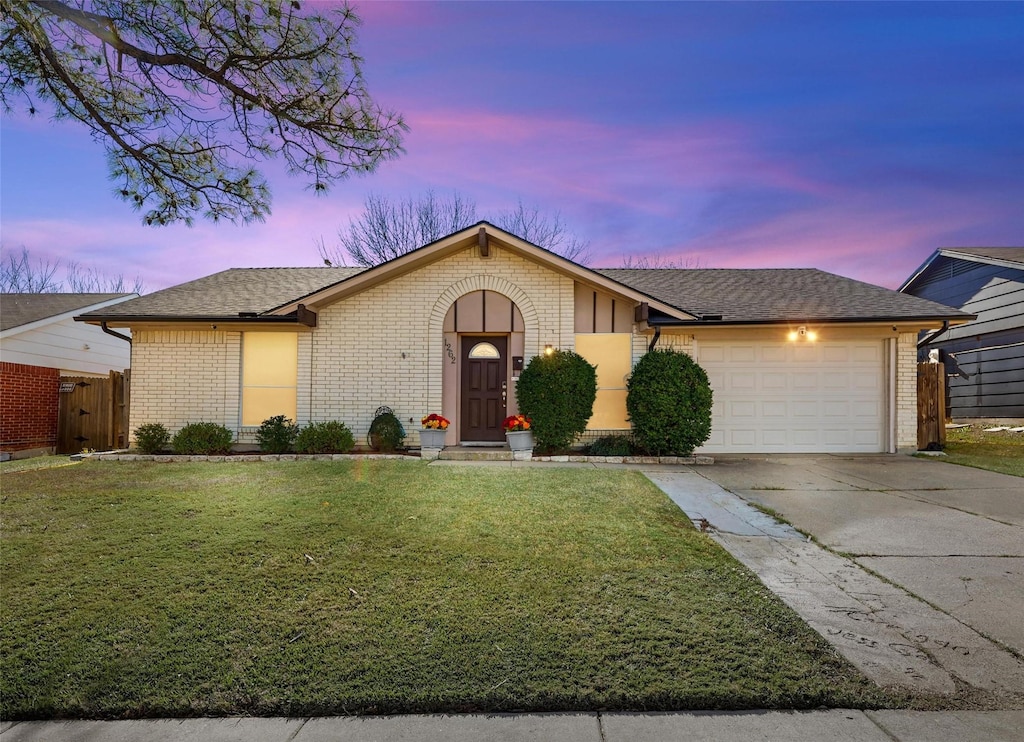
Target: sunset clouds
(856, 138)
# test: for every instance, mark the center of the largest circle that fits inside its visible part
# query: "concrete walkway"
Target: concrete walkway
(742, 726)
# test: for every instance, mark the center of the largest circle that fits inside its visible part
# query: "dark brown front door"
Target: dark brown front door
(484, 388)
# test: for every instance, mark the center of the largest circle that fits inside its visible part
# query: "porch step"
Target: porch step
(467, 453)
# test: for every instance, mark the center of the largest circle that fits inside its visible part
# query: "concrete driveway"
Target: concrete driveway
(951, 535)
(895, 527)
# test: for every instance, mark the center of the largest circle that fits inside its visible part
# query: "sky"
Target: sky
(852, 137)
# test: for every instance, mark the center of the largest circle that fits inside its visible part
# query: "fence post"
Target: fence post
(931, 406)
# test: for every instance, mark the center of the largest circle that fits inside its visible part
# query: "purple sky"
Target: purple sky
(855, 138)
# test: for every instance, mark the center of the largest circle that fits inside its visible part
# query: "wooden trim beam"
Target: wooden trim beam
(481, 237)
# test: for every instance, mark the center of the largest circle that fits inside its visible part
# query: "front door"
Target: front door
(484, 388)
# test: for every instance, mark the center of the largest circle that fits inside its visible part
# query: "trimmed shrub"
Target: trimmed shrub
(557, 393)
(202, 439)
(386, 433)
(152, 437)
(669, 403)
(276, 434)
(328, 437)
(612, 445)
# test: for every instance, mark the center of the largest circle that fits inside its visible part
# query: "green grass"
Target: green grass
(313, 588)
(36, 462)
(1001, 452)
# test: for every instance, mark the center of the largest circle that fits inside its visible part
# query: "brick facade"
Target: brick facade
(28, 407)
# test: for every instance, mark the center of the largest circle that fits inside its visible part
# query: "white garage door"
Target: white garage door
(796, 397)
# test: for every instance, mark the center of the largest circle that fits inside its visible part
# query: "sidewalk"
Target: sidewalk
(736, 726)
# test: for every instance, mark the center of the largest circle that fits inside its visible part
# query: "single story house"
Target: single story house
(800, 360)
(985, 357)
(39, 343)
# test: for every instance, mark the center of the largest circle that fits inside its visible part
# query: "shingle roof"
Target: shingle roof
(1013, 254)
(226, 294)
(738, 295)
(21, 309)
(776, 295)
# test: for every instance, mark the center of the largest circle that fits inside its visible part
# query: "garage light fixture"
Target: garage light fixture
(802, 333)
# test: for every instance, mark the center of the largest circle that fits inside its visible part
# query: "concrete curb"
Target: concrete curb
(728, 726)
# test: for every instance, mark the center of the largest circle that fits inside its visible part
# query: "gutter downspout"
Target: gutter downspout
(103, 326)
(654, 340)
(931, 338)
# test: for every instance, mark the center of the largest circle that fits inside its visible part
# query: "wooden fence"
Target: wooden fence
(93, 412)
(931, 406)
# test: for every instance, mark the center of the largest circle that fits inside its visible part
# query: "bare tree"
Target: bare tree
(544, 230)
(19, 274)
(187, 96)
(387, 229)
(660, 261)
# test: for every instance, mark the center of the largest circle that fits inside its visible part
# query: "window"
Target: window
(484, 350)
(270, 363)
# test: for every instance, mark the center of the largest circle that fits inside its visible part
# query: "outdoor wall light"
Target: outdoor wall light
(549, 349)
(802, 333)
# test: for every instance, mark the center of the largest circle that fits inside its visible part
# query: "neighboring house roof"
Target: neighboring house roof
(752, 296)
(17, 310)
(676, 296)
(1009, 257)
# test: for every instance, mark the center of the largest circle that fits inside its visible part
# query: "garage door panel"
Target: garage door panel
(799, 397)
(806, 381)
(743, 380)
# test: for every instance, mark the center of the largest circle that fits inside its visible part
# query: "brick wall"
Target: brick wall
(183, 376)
(28, 407)
(906, 392)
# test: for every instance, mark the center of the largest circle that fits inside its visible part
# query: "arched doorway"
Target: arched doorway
(484, 348)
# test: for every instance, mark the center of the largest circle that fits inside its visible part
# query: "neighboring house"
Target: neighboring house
(39, 342)
(984, 358)
(800, 360)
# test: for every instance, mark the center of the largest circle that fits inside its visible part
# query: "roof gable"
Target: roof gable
(1007, 257)
(479, 234)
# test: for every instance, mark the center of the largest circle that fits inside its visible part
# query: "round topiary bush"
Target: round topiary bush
(202, 439)
(152, 438)
(557, 393)
(669, 403)
(327, 437)
(276, 434)
(386, 432)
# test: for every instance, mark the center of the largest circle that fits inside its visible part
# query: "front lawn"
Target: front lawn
(1000, 451)
(313, 588)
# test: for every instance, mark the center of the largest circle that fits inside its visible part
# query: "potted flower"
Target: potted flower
(518, 432)
(433, 432)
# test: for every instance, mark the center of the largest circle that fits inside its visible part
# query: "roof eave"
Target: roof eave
(193, 319)
(953, 320)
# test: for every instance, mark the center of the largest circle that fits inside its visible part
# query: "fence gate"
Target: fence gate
(931, 406)
(93, 412)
